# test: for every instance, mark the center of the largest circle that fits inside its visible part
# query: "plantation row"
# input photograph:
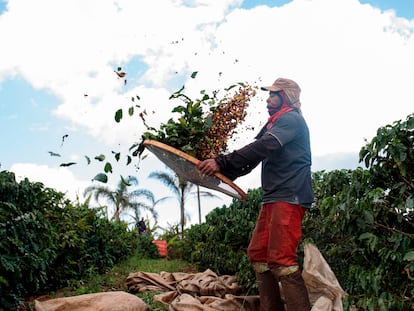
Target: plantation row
(47, 242)
(362, 222)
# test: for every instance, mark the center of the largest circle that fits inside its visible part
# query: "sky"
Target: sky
(59, 89)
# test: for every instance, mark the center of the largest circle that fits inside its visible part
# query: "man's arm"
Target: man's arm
(242, 161)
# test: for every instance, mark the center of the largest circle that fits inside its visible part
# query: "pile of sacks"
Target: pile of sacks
(193, 291)
(204, 291)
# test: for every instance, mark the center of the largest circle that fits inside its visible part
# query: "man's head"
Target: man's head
(289, 87)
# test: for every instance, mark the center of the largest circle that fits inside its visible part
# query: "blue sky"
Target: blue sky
(351, 58)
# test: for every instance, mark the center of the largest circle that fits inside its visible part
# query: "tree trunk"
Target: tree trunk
(182, 212)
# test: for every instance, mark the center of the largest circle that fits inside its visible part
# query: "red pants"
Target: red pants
(276, 235)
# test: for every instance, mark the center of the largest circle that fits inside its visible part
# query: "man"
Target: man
(283, 148)
(142, 227)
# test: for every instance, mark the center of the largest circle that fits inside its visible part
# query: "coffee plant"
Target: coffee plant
(46, 241)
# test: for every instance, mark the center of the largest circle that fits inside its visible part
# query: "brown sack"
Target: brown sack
(140, 282)
(187, 302)
(208, 283)
(108, 301)
(324, 290)
(197, 284)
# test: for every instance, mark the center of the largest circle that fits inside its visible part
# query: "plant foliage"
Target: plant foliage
(46, 241)
(362, 222)
(204, 125)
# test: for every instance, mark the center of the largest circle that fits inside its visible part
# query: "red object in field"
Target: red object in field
(162, 247)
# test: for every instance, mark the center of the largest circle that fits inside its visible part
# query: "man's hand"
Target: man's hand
(208, 167)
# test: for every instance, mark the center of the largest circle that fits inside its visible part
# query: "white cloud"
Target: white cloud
(350, 73)
(353, 62)
(60, 179)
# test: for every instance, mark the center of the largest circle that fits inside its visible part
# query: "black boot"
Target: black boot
(269, 292)
(295, 292)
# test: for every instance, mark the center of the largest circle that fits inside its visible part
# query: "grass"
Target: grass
(114, 279)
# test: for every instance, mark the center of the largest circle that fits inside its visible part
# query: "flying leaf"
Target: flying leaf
(88, 160)
(131, 110)
(118, 115)
(101, 177)
(120, 74)
(108, 167)
(100, 157)
(63, 139)
(230, 87)
(194, 74)
(117, 155)
(129, 160)
(67, 164)
(53, 154)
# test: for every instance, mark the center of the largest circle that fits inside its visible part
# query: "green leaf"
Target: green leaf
(129, 160)
(371, 239)
(230, 87)
(101, 177)
(88, 160)
(369, 219)
(183, 121)
(209, 121)
(409, 203)
(108, 167)
(409, 256)
(194, 74)
(117, 155)
(100, 157)
(118, 115)
(67, 164)
(365, 235)
(131, 110)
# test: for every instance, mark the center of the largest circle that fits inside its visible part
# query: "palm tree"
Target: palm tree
(121, 198)
(181, 188)
(150, 206)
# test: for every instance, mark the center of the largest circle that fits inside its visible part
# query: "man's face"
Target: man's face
(274, 102)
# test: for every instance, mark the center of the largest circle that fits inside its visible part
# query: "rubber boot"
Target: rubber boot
(269, 292)
(295, 292)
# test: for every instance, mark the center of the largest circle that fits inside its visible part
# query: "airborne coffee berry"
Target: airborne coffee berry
(225, 117)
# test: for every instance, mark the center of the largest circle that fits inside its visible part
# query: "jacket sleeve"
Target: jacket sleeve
(242, 161)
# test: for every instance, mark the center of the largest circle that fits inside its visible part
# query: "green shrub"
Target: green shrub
(28, 239)
(146, 248)
(46, 241)
(362, 223)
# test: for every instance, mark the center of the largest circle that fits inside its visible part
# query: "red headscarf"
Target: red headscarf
(285, 108)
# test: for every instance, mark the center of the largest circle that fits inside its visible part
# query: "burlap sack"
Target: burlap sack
(325, 293)
(108, 301)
